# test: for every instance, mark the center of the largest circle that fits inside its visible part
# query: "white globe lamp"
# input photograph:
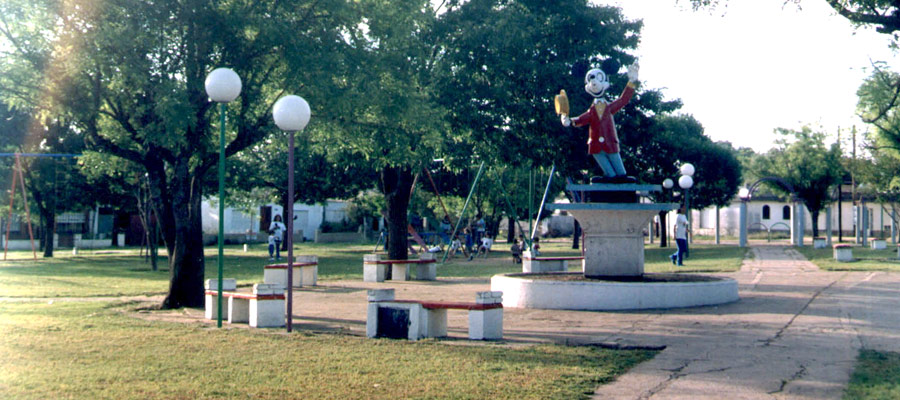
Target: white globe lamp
(687, 169)
(685, 182)
(223, 85)
(291, 113)
(668, 184)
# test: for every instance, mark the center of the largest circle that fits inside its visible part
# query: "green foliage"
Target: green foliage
(344, 225)
(680, 139)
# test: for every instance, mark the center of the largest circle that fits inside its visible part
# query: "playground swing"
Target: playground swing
(17, 173)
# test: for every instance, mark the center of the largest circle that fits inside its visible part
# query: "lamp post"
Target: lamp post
(668, 184)
(222, 86)
(291, 114)
(686, 181)
(744, 194)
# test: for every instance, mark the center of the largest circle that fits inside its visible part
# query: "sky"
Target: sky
(757, 65)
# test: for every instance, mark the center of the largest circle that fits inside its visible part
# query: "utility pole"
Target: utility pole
(840, 195)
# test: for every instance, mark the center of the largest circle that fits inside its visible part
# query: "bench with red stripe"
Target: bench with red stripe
(414, 319)
(538, 264)
(375, 268)
(306, 272)
(263, 307)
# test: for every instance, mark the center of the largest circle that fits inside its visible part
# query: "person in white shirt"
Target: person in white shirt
(681, 232)
(277, 228)
(485, 247)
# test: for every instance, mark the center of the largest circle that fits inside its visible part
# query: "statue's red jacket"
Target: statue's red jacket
(602, 132)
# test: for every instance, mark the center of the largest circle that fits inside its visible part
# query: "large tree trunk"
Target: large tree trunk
(396, 184)
(186, 261)
(576, 235)
(510, 229)
(815, 222)
(48, 222)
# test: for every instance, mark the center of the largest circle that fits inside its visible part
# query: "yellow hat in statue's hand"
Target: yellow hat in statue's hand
(562, 103)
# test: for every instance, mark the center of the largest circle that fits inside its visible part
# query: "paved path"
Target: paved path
(794, 334)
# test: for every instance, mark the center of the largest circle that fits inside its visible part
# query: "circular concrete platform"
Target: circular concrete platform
(565, 291)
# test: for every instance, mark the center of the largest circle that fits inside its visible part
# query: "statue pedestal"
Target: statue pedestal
(613, 235)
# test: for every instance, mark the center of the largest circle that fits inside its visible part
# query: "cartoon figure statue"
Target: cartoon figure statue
(603, 142)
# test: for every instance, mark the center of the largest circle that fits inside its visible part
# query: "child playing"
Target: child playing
(516, 252)
(272, 245)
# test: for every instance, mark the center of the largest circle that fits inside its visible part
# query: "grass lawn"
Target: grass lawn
(91, 349)
(125, 273)
(866, 259)
(876, 376)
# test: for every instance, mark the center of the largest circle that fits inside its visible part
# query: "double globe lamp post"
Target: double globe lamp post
(685, 182)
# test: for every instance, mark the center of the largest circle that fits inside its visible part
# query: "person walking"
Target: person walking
(681, 232)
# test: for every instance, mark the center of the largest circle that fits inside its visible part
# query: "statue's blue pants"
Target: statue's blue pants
(611, 164)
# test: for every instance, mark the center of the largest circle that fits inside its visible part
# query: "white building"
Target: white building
(770, 213)
(241, 226)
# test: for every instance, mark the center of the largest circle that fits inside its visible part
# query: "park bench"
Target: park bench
(375, 268)
(261, 308)
(306, 272)
(538, 264)
(414, 320)
(843, 252)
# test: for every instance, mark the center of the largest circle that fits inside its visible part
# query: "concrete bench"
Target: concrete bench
(375, 268)
(819, 243)
(532, 264)
(414, 320)
(261, 308)
(843, 252)
(306, 272)
(879, 244)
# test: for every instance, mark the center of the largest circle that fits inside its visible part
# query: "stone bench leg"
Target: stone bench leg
(426, 272)
(212, 310)
(238, 310)
(267, 313)
(307, 277)
(373, 272)
(486, 324)
(275, 276)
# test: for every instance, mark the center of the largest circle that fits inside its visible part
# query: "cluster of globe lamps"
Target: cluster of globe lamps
(291, 114)
(685, 182)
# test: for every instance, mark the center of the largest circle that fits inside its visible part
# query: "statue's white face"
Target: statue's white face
(595, 82)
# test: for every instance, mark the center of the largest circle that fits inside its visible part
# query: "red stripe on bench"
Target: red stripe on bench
(284, 266)
(400, 262)
(433, 305)
(248, 296)
(555, 258)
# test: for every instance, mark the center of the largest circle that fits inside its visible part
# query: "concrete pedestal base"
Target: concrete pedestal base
(614, 239)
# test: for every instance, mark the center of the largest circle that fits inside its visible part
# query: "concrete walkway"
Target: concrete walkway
(794, 334)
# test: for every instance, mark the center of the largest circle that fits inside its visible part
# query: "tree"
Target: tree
(384, 112)
(131, 74)
(884, 15)
(879, 106)
(804, 161)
